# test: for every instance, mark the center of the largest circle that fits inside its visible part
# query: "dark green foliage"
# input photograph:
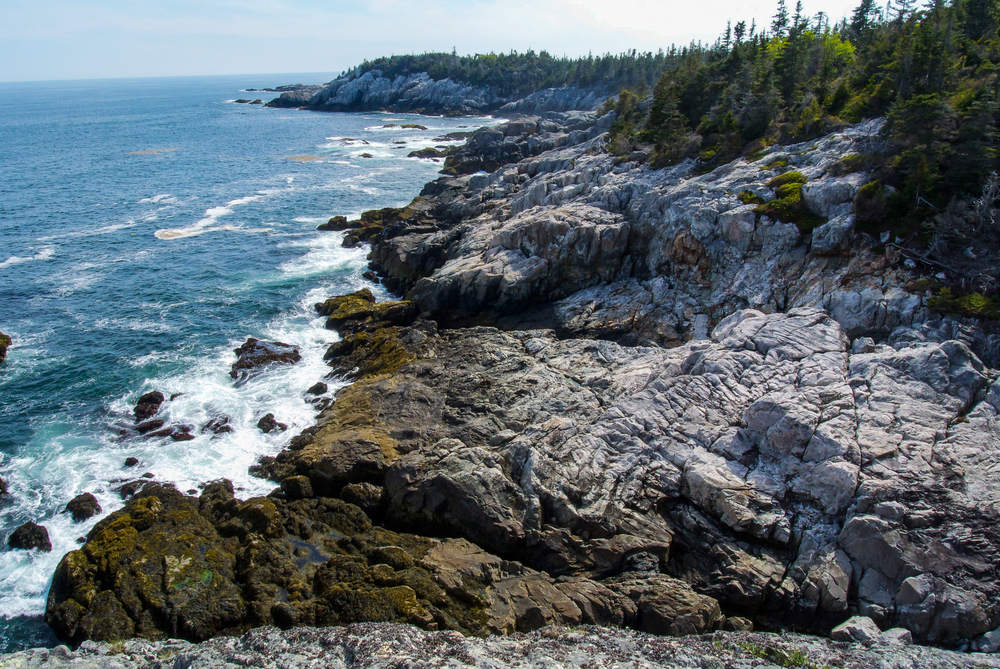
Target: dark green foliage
(788, 207)
(975, 305)
(519, 74)
(870, 207)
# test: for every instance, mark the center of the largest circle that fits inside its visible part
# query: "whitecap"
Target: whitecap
(157, 199)
(44, 254)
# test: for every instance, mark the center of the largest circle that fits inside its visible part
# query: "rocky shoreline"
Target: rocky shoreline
(612, 395)
(420, 94)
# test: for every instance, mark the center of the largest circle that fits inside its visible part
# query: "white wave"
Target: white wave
(133, 324)
(44, 254)
(68, 462)
(107, 229)
(157, 199)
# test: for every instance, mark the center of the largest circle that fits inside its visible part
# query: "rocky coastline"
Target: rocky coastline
(609, 395)
(420, 94)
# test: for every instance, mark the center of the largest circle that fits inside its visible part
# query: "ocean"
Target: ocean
(147, 228)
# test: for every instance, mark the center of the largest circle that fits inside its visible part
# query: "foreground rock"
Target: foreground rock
(769, 467)
(173, 566)
(371, 646)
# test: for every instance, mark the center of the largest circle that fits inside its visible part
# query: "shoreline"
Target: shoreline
(446, 450)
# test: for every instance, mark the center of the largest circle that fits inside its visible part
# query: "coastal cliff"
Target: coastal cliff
(421, 94)
(612, 395)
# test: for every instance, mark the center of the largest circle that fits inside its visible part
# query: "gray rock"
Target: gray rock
(834, 236)
(858, 628)
(896, 636)
(374, 645)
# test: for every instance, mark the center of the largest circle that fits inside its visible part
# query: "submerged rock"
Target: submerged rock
(83, 507)
(30, 536)
(255, 355)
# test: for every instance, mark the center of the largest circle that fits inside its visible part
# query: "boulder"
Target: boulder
(856, 629)
(834, 236)
(5, 342)
(83, 507)
(268, 424)
(148, 406)
(131, 461)
(255, 355)
(317, 389)
(335, 224)
(30, 536)
(3, 488)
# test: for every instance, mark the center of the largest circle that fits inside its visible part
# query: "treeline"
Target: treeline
(933, 72)
(519, 74)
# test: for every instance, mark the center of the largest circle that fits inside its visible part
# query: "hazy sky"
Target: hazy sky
(84, 39)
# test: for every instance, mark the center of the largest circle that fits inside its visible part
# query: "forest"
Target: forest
(931, 71)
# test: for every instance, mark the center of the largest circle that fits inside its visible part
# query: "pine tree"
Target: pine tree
(863, 19)
(779, 25)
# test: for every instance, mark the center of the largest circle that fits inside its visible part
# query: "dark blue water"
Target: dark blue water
(147, 227)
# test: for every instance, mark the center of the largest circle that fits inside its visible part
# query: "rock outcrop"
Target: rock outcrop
(5, 342)
(422, 94)
(685, 384)
(613, 395)
(174, 566)
(374, 646)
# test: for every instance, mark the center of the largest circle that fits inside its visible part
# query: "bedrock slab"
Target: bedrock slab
(768, 466)
(367, 646)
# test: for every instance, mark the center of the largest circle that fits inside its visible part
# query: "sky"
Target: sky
(98, 39)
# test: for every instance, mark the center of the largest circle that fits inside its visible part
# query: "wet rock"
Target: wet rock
(317, 389)
(131, 461)
(358, 312)
(129, 489)
(149, 426)
(297, 487)
(219, 425)
(268, 424)
(429, 152)
(3, 488)
(858, 628)
(5, 342)
(166, 432)
(255, 355)
(371, 276)
(30, 536)
(148, 406)
(368, 497)
(335, 224)
(83, 507)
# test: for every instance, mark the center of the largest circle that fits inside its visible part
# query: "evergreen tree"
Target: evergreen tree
(779, 24)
